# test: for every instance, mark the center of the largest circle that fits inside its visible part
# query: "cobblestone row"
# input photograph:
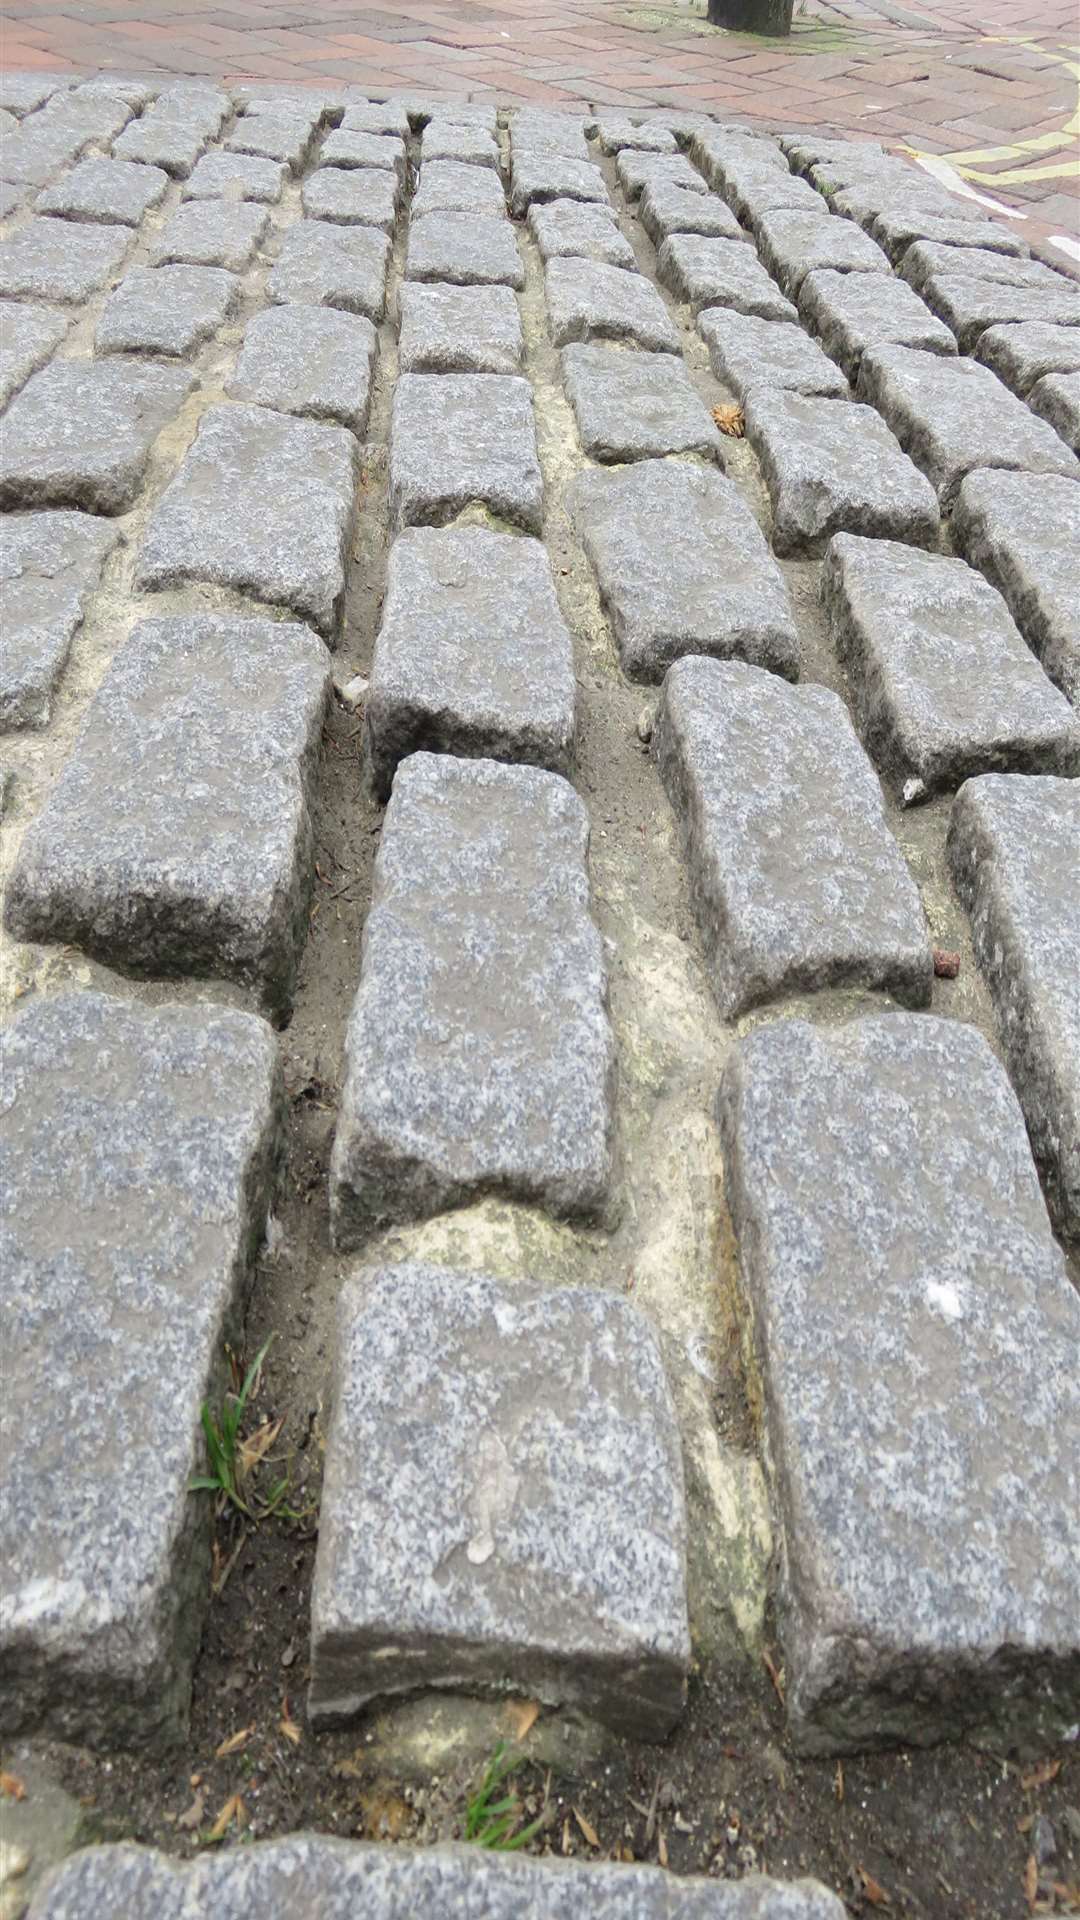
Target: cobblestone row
(283, 376)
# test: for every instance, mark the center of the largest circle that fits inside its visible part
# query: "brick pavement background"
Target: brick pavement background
(993, 86)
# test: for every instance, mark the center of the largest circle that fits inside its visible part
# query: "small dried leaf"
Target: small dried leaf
(522, 1715)
(566, 1836)
(775, 1675)
(12, 1786)
(730, 419)
(661, 1847)
(1031, 1881)
(290, 1731)
(1041, 1776)
(232, 1810)
(258, 1444)
(587, 1828)
(838, 1783)
(1025, 1825)
(234, 1742)
(194, 1815)
(872, 1889)
(946, 963)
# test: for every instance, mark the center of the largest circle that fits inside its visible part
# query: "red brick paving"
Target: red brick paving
(991, 74)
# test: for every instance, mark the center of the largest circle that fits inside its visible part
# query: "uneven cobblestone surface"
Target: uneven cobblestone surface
(434, 385)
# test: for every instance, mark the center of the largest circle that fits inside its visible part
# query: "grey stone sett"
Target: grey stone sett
(447, 186)
(284, 137)
(444, 115)
(49, 565)
(360, 197)
(459, 329)
(346, 148)
(746, 352)
(538, 129)
(80, 433)
(969, 306)
(8, 122)
(794, 244)
(589, 300)
(665, 209)
(630, 406)
(166, 310)
(293, 1878)
(373, 117)
(262, 504)
(479, 1058)
(322, 264)
(637, 171)
(1021, 354)
(758, 193)
(896, 229)
(1014, 853)
(54, 260)
(943, 684)
(925, 260)
(236, 176)
(22, 93)
(865, 201)
(514, 1570)
(28, 336)
(465, 145)
(543, 174)
(140, 1150)
(683, 568)
(113, 191)
(473, 656)
(616, 132)
(211, 233)
(311, 361)
(177, 840)
(796, 881)
(456, 438)
(97, 115)
(12, 199)
(952, 416)
(162, 140)
(856, 157)
(853, 311)
(285, 110)
(914, 1326)
(35, 154)
(709, 273)
(574, 229)
(197, 103)
(1023, 531)
(711, 148)
(464, 251)
(1056, 399)
(832, 466)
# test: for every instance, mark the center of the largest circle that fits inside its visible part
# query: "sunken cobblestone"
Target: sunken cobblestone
(508, 1571)
(970, 306)
(630, 406)
(460, 437)
(1056, 399)
(637, 171)
(310, 361)
(473, 656)
(574, 229)
(80, 433)
(943, 684)
(1021, 354)
(709, 273)
(1022, 530)
(516, 1097)
(54, 260)
(361, 197)
(464, 145)
(459, 330)
(925, 261)
(930, 1579)
(263, 504)
(322, 264)
(746, 351)
(116, 192)
(347, 148)
(897, 228)
(796, 880)
(283, 137)
(236, 176)
(544, 174)
(952, 415)
(1014, 851)
(174, 1144)
(683, 568)
(166, 310)
(832, 466)
(464, 251)
(589, 300)
(177, 839)
(666, 208)
(49, 565)
(448, 186)
(795, 244)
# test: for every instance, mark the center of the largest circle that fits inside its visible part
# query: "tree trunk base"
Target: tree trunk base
(752, 16)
